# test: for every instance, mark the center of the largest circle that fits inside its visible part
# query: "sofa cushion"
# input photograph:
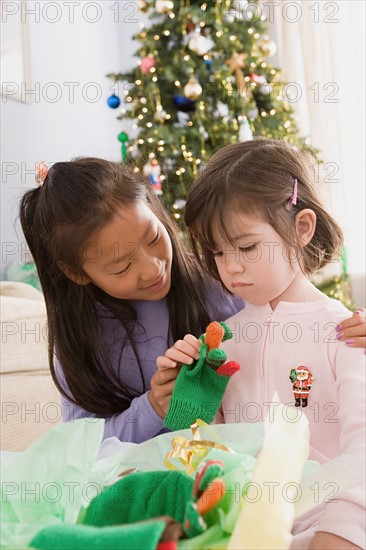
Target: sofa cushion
(30, 402)
(20, 290)
(23, 331)
(30, 405)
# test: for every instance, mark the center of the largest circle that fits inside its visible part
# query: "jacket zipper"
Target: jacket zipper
(264, 349)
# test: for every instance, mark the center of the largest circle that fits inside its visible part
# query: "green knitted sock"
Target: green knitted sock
(141, 496)
(139, 536)
(198, 393)
(200, 387)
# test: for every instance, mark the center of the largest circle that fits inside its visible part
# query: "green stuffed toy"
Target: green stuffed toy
(200, 387)
(142, 536)
(142, 511)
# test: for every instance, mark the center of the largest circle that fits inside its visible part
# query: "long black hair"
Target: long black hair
(77, 198)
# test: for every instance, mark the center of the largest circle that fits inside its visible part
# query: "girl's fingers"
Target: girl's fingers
(189, 345)
(192, 340)
(183, 351)
(179, 356)
(166, 390)
(164, 376)
(163, 362)
(358, 319)
(352, 332)
(359, 342)
(172, 359)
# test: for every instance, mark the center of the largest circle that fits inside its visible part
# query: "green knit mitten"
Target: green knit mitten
(200, 387)
(142, 536)
(141, 496)
(116, 517)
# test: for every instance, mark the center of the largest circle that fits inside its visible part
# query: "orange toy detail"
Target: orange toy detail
(214, 335)
(214, 493)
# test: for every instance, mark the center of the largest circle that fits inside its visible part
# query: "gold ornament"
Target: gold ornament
(267, 46)
(193, 89)
(160, 114)
(236, 65)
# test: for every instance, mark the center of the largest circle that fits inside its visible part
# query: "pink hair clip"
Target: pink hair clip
(293, 199)
(41, 172)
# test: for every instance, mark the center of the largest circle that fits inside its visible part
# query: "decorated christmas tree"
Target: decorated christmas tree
(202, 80)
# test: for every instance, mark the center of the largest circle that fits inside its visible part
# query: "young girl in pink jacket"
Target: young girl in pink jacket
(263, 231)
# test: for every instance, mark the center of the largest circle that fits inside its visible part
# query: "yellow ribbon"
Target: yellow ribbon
(190, 452)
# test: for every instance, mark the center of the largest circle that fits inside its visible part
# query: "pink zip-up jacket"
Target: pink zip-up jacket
(270, 345)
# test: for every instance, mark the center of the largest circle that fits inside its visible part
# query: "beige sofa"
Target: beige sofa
(30, 402)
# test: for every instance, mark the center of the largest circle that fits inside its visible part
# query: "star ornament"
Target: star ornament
(236, 64)
(237, 61)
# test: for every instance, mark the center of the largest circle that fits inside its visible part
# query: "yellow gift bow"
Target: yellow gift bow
(190, 452)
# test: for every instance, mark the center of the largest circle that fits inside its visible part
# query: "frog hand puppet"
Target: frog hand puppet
(200, 387)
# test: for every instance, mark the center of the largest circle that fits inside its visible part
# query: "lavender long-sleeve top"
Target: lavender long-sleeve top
(140, 422)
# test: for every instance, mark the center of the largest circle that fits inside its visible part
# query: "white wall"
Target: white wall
(71, 49)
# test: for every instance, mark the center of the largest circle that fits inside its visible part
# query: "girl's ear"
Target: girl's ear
(305, 222)
(81, 280)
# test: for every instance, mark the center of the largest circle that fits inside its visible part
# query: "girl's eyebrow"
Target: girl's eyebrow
(244, 235)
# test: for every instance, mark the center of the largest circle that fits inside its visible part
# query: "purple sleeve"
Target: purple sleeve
(136, 424)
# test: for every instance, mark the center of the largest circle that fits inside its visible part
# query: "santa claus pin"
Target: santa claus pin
(301, 379)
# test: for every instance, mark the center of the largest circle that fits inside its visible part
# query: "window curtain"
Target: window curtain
(321, 50)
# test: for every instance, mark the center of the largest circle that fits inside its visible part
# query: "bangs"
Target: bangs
(72, 243)
(209, 223)
(212, 226)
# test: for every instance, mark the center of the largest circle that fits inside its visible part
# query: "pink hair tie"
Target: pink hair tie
(293, 199)
(41, 172)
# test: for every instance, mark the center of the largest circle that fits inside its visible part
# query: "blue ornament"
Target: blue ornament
(113, 101)
(208, 63)
(184, 104)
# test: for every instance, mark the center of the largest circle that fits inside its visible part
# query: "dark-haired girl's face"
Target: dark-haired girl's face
(130, 258)
(258, 267)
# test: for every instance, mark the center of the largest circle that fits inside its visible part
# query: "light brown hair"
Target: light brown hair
(257, 177)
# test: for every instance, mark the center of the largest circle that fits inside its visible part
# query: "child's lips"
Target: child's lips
(234, 285)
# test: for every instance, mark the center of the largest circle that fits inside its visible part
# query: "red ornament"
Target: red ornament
(190, 26)
(258, 78)
(147, 63)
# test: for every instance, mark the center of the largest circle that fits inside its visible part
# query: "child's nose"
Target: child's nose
(233, 263)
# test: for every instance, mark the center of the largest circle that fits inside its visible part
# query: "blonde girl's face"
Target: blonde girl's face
(131, 257)
(258, 267)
